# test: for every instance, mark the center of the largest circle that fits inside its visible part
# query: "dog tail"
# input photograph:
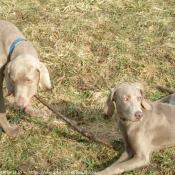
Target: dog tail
(166, 89)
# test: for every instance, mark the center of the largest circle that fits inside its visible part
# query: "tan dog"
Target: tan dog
(23, 73)
(145, 126)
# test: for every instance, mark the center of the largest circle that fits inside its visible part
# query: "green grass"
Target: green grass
(89, 47)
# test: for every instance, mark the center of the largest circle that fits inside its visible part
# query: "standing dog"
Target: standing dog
(23, 72)
(145, 126)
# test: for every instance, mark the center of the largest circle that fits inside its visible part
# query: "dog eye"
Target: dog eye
(28, 81)
(126, 99)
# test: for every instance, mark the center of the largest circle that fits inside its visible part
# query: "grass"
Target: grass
(89, 46)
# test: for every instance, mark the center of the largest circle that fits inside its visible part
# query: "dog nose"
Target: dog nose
(19, 102)
(138, 115)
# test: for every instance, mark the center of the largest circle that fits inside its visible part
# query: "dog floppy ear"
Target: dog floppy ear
(109, 104)
(144, 103)
(9, 84)
(44, 82)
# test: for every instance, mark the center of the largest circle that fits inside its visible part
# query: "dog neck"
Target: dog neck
(13, 45)
(21, 46)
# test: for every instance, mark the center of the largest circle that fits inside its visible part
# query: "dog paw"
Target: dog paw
(34, 112)
(14, 131)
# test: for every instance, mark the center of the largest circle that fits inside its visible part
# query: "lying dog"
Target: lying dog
(23, 72)
(145, 126)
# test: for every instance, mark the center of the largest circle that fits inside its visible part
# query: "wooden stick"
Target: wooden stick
(73, 124)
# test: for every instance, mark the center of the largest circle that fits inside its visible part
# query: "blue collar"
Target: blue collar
(14, 44)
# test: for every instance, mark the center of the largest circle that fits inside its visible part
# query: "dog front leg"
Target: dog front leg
(127, 154)
(128, 165)
(34, 112)
(11, 131)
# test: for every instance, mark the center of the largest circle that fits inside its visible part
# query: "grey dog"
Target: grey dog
(23, 73)
(145, 126)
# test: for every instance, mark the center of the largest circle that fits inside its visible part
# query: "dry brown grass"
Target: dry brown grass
(88, 47)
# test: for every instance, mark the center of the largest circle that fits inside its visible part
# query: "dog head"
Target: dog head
(129, 100)
(22, 75)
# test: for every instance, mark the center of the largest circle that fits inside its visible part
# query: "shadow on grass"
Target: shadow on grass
(119, 147)
(94, 121)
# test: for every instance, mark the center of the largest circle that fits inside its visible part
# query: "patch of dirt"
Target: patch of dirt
(107, 129)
